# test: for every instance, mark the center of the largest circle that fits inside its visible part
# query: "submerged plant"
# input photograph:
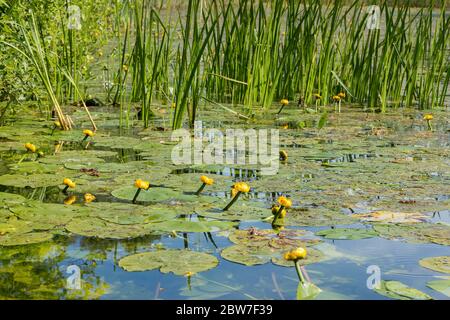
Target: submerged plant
(239, 187)
(205, 181)
(140, 184)
(68, 184)
(428, 118)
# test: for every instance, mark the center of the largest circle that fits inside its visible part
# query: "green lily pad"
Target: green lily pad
(117, 142)
(442, 286)
(157, 194)
(415, 233)
(179, 262)
(184, 225)
(255, 246)
(400, 291)
(85, 157)
(109, 167)
(124, 213)
(32, 181)
(11, 198)
(15, 226)
(244, 211)
(17, 239)
(99, 228)
(48, 213)
(347, 233)
(439, 264)
(316, 217)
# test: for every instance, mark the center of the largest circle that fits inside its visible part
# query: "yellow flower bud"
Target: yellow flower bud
(284, 102)
(69, 183)
(30, 147)
(206, 180)
(428, 117)
(242, 187)
(296, 254)
(88, 132)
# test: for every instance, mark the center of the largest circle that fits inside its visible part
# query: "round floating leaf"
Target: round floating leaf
(49, 213)
(17, 239)
(156, 194)
(99, 228)
(179, 262)
(439, 264)
(398, 290)
(248, 256)
(184, 225)
(117, 142)
(347, 233)
(415, 233)
(15, 226)
(442, 286)
(33, 181)
(85, 157)
(316, 217)
(11, 198)
(238, 212)
(124, 213)
(392, 217)
(109, 167)
(255, 246)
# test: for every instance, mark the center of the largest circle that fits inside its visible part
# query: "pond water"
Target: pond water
(384, 175)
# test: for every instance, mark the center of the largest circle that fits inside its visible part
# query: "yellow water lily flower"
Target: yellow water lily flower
(57, 124)
(283, 155)
(69, 183)
(317, 96)
(141, 184)
(70, 200)
(428, 117)
(189, 274)
(206, 180)
(341, 95)
(296, 254)
(30, 147)
(88, 198)
(242, 187)
(238, 188)
(284, 102)
(336, 98)
(285, 202)
(88, 133)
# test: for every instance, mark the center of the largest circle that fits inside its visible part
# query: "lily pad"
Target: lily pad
(347, 233)
(32, 181)
(157, 194)
(307, 291)
(316, 217)
(183, 225)
(99, 228)
(17, 239)
(442, 286)
(255, 246)
(179, 262)
(400, 291)
(124, 213)
(393, 217)
(238, 212)
(415, 233)
(439, 264)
